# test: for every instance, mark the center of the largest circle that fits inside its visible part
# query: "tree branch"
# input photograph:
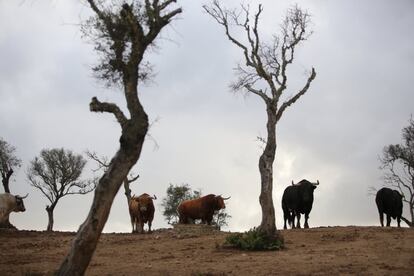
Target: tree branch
(133, 179)
(258, 92)
(97, 106)
(102, 163)
(297, 96)
(410, 224)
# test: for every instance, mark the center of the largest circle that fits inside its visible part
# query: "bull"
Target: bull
(10, 203)
(298, 199)
(142, 211)
(389, 202)
(200, 208)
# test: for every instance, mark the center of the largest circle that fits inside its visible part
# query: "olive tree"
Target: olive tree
(122, 32)
(263, 73)
(397, 162)
(56, 173)
(8, 163)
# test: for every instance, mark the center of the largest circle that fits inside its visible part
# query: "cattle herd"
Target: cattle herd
(297, 199)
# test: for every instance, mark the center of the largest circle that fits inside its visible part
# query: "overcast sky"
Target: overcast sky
(363, 53)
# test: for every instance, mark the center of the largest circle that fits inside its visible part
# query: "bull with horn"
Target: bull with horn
(200, 208)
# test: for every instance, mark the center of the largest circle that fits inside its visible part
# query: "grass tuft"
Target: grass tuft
(254, 240)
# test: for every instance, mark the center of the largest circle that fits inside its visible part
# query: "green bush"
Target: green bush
(254, 240)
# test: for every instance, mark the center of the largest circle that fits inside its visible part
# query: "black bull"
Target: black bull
(389, 202)
(298, 199)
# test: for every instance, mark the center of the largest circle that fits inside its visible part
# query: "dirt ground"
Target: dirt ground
(194, 250)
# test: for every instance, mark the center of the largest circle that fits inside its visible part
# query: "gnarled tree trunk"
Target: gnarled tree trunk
(49, 210)
(268, 224)
(264, 75)
(6, 180)
(89, 232)
(122, 34)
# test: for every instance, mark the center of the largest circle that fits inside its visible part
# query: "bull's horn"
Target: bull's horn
(293, 183)
(23, 197)
(225, 198)
(317, 183)
(154, 197)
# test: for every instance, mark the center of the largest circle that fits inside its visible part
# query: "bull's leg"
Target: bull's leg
(132, 224)
(142, 227)
(381, 216)
(306, 221)
(398, 221)
(298, 220)
(286, 217)
(388, 220)
(209, 219)
(149, 226)
(183, 219)
(292, 219)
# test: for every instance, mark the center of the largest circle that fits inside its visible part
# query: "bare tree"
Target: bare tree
(397, 161)
(264, 73)
(56, 173)
(8, 163)
(103, 164)
(122, 35)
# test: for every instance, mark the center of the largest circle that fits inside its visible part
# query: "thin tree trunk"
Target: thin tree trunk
(6, 180)
(84, 245)
(127, 190)
(410, 224)
(268, 224)
(49, 210)
(128, 196)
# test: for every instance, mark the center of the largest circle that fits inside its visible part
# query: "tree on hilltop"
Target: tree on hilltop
(263, 73)
(56, 173)
(8, 163)
(122, 32)
(397, 162)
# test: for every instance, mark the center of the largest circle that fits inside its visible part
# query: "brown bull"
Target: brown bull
(201, 208)
(142, 210)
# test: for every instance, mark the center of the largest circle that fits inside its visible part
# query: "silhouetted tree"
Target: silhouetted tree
(8, 163)
(397, 161)
(221, 218)
(264, 73)
(56, 173)
(122, 31)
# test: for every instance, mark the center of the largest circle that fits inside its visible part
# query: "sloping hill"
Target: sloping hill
(193, 250)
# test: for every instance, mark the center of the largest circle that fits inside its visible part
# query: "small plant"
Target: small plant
(254, 240)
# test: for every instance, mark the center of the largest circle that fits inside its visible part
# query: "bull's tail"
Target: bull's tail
(289, 217)
(287, 214)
